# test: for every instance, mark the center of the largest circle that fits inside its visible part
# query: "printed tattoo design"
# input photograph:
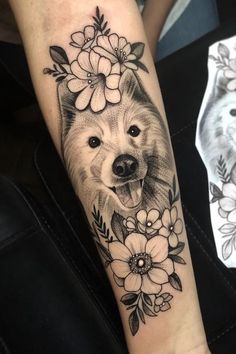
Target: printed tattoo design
(116, 149)
(218, 134)
(226, 198)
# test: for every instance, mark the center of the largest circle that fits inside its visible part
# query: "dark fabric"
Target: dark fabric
(47, 270)
(47, 306)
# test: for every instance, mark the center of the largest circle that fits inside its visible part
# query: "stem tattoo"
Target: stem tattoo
(115, 146)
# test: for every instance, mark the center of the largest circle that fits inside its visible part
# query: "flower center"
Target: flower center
(94, 80)
(140, 263)
(121, 55)
(149, 223)
(171, 228)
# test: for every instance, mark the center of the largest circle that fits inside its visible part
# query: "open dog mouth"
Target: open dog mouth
(129, 194)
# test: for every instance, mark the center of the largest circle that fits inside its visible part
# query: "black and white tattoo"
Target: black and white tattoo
(217, 133)
(116, 149)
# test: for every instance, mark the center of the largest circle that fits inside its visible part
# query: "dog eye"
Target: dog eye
(233, 112)
(94, 142)
(134, 131)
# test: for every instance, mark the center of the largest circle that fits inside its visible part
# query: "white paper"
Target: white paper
(216, 143)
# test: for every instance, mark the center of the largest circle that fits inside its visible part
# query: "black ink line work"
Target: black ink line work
(116, 149)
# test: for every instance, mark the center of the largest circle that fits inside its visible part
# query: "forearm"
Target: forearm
(106, 117)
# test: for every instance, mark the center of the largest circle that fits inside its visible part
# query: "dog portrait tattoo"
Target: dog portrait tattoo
(116, 149)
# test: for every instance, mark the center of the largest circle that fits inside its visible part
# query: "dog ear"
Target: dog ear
(67, 107)
(131, 86)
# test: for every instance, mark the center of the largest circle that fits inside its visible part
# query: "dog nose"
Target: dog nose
(124, 165)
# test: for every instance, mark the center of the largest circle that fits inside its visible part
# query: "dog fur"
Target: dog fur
(91, 169)
(218, 130)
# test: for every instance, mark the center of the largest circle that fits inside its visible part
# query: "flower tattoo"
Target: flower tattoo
(83, 39)
(226, 198)
(102, 59)
(144, 264)
(116, 150)
(96, 80)
(145, 260)
(228, 66)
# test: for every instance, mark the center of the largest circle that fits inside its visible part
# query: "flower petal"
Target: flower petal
(148, 287)
(78, 37)
(83, 98)
(101, 51)
(84, 62)
(104, 66)
(119, 251)
(136, 243)
(88, 44)
(157, 247)
(159, 300)
(230, 74)
(127, 49)
(178, 226)
(78, 71)
(158, 275)
(229, 190)
(232, 216)
(103, 42)
(157, 224)
(122, 42)
(131, 57)
(94, 61)
(112, 81)
(222, 213)
(89, 32)
(133, 282)
(164, 232)
(141, 228)
(130, 65)
(173, 215)
(232, 85)
(167, 265)
(227, 204)
(76, 85)
(120, 268)
(130, 224)
(232, 64)
(115, 68)
(151, 231)
(98, 101)
(153, 215)
(165, 307)
(142, 216)
(112, 96)
(114, 39)
(173, 240)
(166, 218)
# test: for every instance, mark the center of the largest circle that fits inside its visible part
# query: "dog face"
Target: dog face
(119, 155)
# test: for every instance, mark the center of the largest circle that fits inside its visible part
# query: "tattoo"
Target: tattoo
(225, 196)
(115, 146)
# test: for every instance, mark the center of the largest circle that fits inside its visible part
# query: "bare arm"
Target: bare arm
(98, 91)
(154, 15)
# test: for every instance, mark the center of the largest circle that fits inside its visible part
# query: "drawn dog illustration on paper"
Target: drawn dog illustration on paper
(119, 158)
(218, 130)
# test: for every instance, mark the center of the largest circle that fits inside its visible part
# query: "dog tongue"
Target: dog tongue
(130, 194)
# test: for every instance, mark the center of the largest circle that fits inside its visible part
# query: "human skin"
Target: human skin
(154, 15)
(45, 24)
